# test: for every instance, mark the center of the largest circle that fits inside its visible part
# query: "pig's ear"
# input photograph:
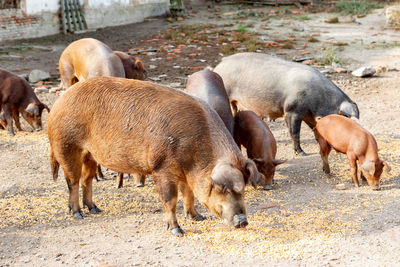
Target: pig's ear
(369, 167)
(227, 177)
(44, 106)
(32, 109)
(386, 166)
(259, 161)
(251, 171)
(138, 64)
(278, 161)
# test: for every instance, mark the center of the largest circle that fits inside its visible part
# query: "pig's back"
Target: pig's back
(93, 58)
(342, 133)
(208, 86)
(131, 124)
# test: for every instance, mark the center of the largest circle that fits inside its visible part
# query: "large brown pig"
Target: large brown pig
(86, 58)
(348, 137)
(254, 134)
(273, 87)
(133, 66)
(133, 126)
(209, 86)
(17, 96)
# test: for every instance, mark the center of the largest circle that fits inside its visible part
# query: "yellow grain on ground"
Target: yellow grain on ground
(282, 229)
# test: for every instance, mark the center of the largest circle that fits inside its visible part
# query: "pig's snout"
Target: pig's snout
(240, 221)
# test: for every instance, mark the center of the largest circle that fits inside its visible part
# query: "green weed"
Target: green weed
(356, 7)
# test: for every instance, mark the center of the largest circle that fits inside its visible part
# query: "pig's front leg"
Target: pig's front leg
(188, 203)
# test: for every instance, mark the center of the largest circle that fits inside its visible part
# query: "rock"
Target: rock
(152, 67)
(340, 70)
(364, 72)
(341, 187)
(41, 89)
(38, 75)
(173, 85)
(332, 20)
(381, 68)
(54, 90)
(393, 17)
(347, 19)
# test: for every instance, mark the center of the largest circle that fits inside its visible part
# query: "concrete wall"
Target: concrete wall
(38, 18)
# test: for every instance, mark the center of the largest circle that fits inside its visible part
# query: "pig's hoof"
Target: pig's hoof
(95, 210)
(356, 185)
(199, 217)
(140, 184)
(11, 134)
(376, 188)
(267, 187)
(78, 215)
(177, 231)
(300, 153)
(119, 186)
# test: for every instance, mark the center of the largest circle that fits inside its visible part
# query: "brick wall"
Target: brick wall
(37, 18)
(16, 24)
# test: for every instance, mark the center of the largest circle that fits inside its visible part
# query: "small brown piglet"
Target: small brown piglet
(254, 134)
(17, 96)
(348, 137)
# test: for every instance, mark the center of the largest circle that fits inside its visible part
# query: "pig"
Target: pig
(133, 126)
(17, 96)
(87, 58)
(273, 87)
(348, 137)
(133, 66)
(209, 86)
(254, 134)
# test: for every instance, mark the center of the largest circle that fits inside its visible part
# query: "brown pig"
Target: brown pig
(348, 137)
(254, 134)
(209, 86)
(86, 58)
(133, 126)
(133, 66)
(17, 96)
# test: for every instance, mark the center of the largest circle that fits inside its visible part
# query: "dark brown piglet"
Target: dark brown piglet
(254, 134)
(348, 137)
(17, 96)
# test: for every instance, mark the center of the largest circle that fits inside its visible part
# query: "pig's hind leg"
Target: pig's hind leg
(71, 161)
(88, 172)
(293, 122)
(167, 189)
(188, 203)
(324, 150)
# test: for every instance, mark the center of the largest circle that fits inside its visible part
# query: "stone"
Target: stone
(393, 17)
(38, 75)
(340, 70)
(364, 72)
(332, 20)
(341, 187)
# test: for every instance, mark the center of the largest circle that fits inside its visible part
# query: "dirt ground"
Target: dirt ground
(305, 221)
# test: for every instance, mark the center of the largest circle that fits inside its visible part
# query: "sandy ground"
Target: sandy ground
(304, 221)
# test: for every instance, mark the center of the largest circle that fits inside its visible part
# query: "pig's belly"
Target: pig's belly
(263, 108)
